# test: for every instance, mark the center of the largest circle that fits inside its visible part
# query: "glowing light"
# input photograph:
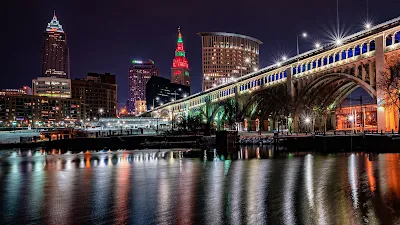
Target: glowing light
(304, 34)
(338, 41)
(307, 120)
(255, 69)
(185, 95)
(137, 62)
(214, 85)
(247, 60)
(351, 118)
(207, 78)
(317, 45)
(180, 60)
(284, 58)
(278, 63)
(101, 110)
(367, 25)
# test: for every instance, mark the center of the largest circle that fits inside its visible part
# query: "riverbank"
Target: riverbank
(341, 143)
(119, 142)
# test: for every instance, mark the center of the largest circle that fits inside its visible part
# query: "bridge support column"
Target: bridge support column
(363, 72)
(295, 124)
(380, 94)
(371, 73)
(271, 123)
(289, 82)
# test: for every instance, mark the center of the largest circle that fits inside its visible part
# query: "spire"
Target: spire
(54, 24)
(179, 35)
(180, 60)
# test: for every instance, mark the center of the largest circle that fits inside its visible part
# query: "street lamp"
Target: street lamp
(307, 121)
(367, 25)
(247, 61)
(175, 94)
(317, 45)
(303, 35)
(157, 98)
(338, 41)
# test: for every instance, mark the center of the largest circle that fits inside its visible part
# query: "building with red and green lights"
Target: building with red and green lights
(180, 72)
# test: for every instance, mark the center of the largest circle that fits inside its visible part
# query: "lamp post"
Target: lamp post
(307, 122)
(157, 99)
(303, 35)
(175, 94)
(246, 60)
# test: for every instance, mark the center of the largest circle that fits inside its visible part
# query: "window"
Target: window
(344, 55)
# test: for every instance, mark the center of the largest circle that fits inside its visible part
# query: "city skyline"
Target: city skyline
(94, 48)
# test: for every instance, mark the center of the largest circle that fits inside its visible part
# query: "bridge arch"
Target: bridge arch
(332, 88)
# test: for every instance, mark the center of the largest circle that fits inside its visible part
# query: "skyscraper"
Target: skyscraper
(227, 56)
(180, 72)
(139, 73)
(55, 56)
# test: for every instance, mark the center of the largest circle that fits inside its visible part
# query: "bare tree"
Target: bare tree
(390, 84)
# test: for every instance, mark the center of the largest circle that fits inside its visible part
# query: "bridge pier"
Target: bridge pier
(380, 94)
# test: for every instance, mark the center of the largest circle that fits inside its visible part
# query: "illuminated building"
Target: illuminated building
(52, 87)
(180, 72)
(55, 55)
(160, 90)
(353, 117)
(16, 92)
(140, 106)
(139, 73)
(35, 111)
(98, 93)
(227, 56)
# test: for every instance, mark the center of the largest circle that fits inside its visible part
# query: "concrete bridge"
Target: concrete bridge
(322, 77)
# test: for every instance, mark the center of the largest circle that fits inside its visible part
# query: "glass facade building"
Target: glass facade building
(139, 73)
(226, 56)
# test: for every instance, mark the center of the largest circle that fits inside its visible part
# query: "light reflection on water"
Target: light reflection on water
(176, 187)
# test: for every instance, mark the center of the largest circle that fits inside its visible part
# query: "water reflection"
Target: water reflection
(207, 187)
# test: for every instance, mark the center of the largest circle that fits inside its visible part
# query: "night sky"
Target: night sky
(106, 36)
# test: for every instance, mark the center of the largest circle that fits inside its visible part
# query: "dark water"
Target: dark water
(165, 188)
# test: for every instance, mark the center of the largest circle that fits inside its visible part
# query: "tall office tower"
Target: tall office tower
(227, 56)
(180, 72)
(139, 73)
(55, 56)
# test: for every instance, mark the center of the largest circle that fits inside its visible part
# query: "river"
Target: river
(169, 187)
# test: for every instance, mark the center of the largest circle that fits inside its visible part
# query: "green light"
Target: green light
(180, 54)
(137, 62)
(187, 73)
(180, 40)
